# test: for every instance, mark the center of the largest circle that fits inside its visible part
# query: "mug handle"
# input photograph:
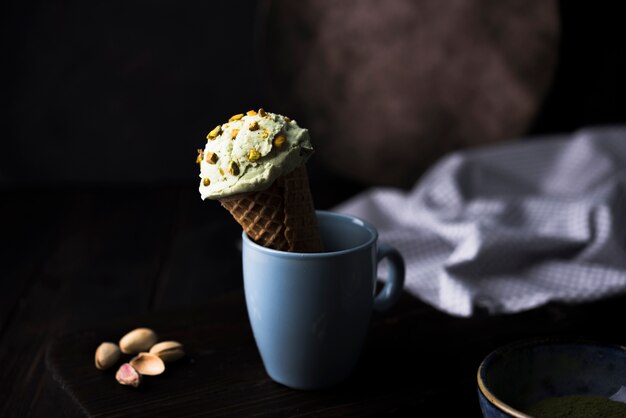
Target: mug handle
(392, 290)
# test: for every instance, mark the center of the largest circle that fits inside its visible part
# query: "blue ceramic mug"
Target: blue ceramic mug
(310, 311)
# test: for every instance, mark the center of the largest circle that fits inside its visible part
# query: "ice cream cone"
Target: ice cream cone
(255, 166)
(281, 217)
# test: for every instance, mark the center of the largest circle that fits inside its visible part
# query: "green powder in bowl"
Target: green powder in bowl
(577, 406)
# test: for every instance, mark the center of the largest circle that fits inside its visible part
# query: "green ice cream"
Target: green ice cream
(249, 152)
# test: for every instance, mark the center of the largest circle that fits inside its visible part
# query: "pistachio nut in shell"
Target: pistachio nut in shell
(138, 340)
(127, 375)
(107, 354)
(168, 351)
(148, 364)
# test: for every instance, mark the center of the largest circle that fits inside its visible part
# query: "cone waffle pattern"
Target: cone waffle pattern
(281, 217)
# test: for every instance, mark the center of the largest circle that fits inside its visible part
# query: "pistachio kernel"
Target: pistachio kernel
(253, 155)
(200, 156)
(261, 112)
(211, 157)
(234, 133)
(233, 168)
(254, 126)
(279, 141)
(265, 133)
(236, 117)
(287, 119)
(251, 113)
(221, 171)
(206, 182)
(127, 375)
(214, 133)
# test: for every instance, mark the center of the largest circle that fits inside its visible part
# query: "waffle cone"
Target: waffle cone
(281, 217)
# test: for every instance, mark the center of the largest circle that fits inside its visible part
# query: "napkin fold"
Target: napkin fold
(511, 227)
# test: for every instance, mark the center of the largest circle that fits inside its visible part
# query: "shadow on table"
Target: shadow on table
(416, 359)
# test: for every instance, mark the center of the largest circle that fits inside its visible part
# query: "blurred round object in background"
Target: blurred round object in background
(386, 88)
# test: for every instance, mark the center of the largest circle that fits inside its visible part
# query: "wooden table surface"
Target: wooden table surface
(77, 261)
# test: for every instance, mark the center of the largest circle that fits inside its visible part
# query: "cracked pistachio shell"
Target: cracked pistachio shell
(148, 364)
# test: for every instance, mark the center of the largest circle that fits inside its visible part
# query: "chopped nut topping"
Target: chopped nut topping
(287, 119)
(221, 171)
(265, 133)
(261, 112)
(211, 157)
(233, 168)
(234, 133)
(279, 141)
(214, 133)
(254, 126)
(200, 156)
(206, 182)
(251, 113)
(236, 117)
(253, 155)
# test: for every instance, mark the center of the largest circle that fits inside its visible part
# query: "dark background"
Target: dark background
(590, 84)
(104, 104)
(100, 93)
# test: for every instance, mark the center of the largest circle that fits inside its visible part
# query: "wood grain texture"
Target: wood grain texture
(27, 232)
(203, 260)
(112, 260)
(414, 360)
(103, 263)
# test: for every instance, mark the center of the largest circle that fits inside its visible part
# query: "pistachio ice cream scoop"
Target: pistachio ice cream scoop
(254, 165)
(249, 152)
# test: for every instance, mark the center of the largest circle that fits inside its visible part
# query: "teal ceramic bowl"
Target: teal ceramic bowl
(512, 378)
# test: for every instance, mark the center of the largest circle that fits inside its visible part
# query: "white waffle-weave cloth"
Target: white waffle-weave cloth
(511, 227)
